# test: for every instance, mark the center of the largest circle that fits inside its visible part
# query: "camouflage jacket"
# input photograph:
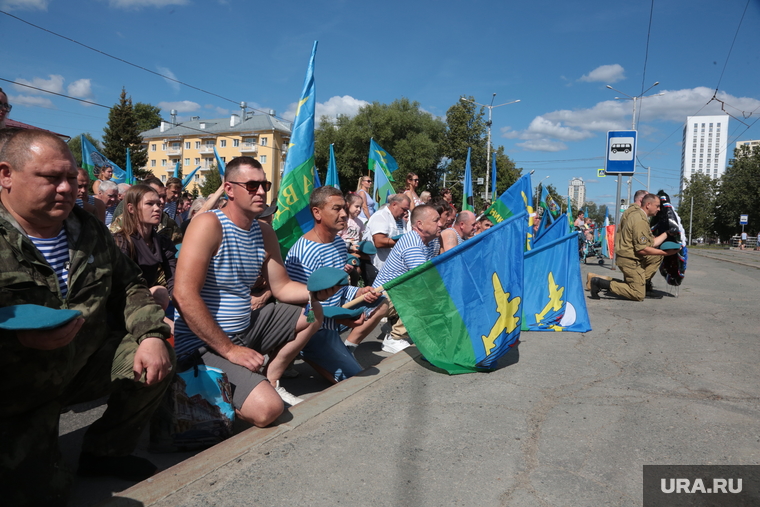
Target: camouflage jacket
(103, 284)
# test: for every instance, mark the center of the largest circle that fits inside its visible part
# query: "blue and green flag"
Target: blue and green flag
(332, 171)
(514, 200)
(549, 204)
(176, 168)
(293, 218)
(187, 179)
(220, 165)
(129, 177)
(93, 161)
(382, 164)
(553, 298)
(472, 300)
(468, 202)
(556, 230)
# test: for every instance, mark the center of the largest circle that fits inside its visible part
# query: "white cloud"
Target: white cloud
(333, 107)
(605, 74)
(541, 127)
(184, 106)
(24, 5)
(137, 4)
(54, 84)
(81, 88)
(542, 145)
(25, 100)
(167, 72)
(222, 111)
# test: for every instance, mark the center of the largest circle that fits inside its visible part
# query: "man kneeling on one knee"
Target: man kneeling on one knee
(638, 256)
(223, 253)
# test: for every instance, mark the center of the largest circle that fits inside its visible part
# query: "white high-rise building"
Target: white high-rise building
(577, 192)
(705, 139)
(751, 144)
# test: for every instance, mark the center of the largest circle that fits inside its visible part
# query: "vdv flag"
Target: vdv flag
(549, 204)
(220, 165)
(293, 217)
(187, 179)
(129, 177)
(514, 200)
(553, 298)
(556, 230)
(605, 246)
(93, 161)
(467, 199)
(380, 162)
(317, 181)
(493, 177)
(332, 171)
(472, 300)
(176, 168)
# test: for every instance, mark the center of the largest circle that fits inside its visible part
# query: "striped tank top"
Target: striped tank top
(56, 253)
(227, 291)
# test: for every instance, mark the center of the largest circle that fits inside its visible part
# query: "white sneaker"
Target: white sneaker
(286, 396)
(393, 345)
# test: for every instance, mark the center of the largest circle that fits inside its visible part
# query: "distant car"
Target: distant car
(624, 147)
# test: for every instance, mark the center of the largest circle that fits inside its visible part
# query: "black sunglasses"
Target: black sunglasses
(253, 186)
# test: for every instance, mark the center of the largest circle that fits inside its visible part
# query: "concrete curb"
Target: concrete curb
(715, 258)
(179, 476)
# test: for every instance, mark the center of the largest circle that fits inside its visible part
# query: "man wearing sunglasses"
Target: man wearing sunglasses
(223, 253)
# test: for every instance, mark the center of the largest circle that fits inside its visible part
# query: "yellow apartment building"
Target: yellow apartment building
(262, 136)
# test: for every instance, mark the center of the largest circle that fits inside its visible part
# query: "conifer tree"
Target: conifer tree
(122, 132)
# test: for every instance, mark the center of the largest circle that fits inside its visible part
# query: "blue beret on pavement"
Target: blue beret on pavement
(34, 317)
(324, 278)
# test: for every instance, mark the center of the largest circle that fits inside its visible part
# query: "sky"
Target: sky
(555, 57)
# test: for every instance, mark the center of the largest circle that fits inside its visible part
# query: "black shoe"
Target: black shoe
(128, 468)
(649, 286)
(653, 295)
(598, 284)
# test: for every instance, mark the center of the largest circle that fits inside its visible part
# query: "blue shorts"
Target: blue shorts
(327, 350)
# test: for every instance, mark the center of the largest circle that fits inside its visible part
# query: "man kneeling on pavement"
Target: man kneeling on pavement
(638, 256)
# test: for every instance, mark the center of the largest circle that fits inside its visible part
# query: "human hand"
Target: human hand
(261, 300)
(245, 357)
(370, 296)
(50, 339)
(152, 358)
(326, 294)
(352, 323)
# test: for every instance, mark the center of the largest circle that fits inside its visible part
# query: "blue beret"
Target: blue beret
(324, 278)
(338, 312)
(670, 245)
(367, 247)
(34, 317)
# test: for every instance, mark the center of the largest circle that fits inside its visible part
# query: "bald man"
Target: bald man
(462, 230)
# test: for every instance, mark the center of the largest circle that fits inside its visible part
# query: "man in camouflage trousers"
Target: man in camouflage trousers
(117, 347)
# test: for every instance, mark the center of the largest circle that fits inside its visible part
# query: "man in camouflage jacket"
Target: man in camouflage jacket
(119, 338)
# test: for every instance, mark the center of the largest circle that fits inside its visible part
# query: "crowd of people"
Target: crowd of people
(163, 283)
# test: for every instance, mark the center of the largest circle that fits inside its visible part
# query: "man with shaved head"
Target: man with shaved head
(54, 254)
(462, 230)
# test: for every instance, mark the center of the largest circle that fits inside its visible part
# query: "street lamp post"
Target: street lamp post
(633, 127)
(490, 107)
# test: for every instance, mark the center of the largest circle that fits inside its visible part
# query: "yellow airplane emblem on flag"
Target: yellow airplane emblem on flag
(555, 299)
(507, 310)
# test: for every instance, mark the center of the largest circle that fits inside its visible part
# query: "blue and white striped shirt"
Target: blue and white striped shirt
(109, 214)
(227, 290)
(306, 256)
(90, 199)
(408, 253)
(56, 253)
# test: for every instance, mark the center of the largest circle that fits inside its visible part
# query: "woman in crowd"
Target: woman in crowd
(425, 197)
(104, 173)
(368, 204)
(154, 253)
(412, 182)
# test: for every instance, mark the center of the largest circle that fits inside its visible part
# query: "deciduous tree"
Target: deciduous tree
(739, 193)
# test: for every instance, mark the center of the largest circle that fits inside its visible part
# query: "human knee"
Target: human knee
(262, 407)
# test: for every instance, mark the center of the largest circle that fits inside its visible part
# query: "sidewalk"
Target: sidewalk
(569, 420)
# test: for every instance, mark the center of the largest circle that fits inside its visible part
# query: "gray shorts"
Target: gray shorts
(271, 327)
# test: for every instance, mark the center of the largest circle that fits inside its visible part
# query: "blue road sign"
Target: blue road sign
(621, 152)
(743, 219)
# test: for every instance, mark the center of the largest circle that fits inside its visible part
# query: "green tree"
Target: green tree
(506, 172)
(122, 132)
(465, 128)
(212, 181)
(739, 193)
(411, 135)
(148, 116)
(704, 190)
(75, 146)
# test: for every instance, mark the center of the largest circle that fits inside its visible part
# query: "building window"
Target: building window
(163, 162)
(197, 145)
(153, 147)
(187, 161)
(223, 143)
(224, 159)
(264, 141)
(263, 158)
(197, 161)
(163, 146)
(163, 178)
(197, 176)
(235, 143)
(187, 145)
(153, 163)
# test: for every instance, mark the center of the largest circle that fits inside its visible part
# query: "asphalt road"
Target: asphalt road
(570, 419)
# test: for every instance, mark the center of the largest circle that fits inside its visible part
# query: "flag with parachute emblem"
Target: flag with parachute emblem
(293, 218)
(553, 298)
(382, 164)
(93, 161)
(472, 295)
